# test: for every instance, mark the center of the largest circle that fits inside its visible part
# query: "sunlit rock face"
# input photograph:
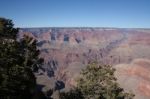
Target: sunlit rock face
(135, 76)
(67, 50)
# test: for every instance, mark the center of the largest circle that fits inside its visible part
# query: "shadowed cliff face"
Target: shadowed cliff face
(67, 50)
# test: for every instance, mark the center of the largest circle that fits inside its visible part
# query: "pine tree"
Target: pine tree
(98, 82)
(18, 59)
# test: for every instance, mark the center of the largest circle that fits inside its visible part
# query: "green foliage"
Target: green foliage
(17, 62)
(98, 82)
(6, 28)
(72, 94)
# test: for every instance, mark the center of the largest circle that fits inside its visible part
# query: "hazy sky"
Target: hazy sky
(76, 13)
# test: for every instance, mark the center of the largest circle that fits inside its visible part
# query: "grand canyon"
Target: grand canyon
(66, 51)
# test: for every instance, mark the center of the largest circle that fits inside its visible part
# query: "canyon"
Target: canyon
(66, 51)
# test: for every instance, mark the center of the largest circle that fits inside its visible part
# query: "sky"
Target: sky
(77, 13)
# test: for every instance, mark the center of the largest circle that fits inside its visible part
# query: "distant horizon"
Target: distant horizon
(85, 27)
(77, 13)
